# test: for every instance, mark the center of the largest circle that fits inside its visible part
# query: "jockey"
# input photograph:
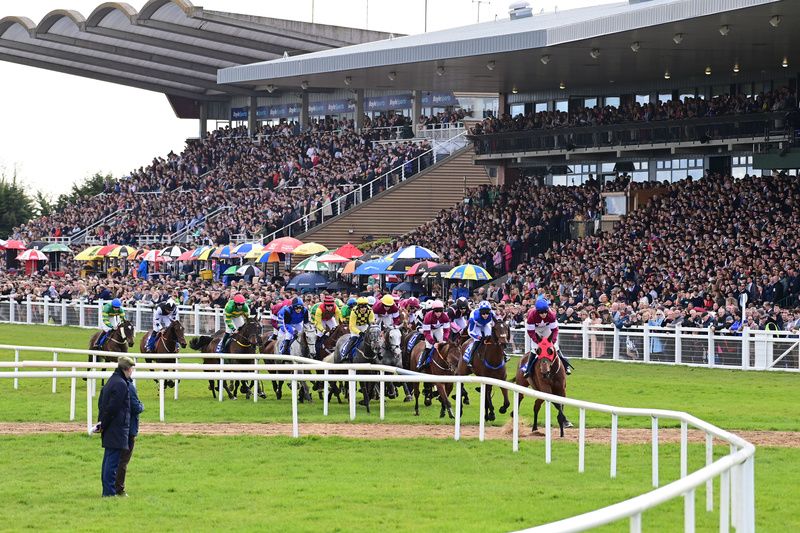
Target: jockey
(387, 313)
(236, 312)
(327, 315)
(459, 314)
(480, 326)
(541, 324)
(290, 322)
(274, 310)
(435, 327)
(346, 308)
(164, 315)
(113, 315)
(361, 318)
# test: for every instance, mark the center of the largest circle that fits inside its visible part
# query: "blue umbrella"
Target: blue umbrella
(308, 281)
(376, 266)
(416, 252)
(407, 286)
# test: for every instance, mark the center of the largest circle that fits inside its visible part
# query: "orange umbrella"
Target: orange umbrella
(349, 251)
(351, 267)
(284, 245)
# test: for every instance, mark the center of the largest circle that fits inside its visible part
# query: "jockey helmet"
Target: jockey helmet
(297, 302)
(542, 305)
(328, 300)
(362, 301)
(437, 305)
(387, 300)
(115, 303)
(168, 306)
(461, 303)
(484, 307)
(371, 300)
(412, 302)
(351, 302)
(238, 299)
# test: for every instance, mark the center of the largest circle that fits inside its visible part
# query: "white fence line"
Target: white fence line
(735, 471)
(749, 350)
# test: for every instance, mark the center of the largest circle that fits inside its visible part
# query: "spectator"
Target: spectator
(114, 414)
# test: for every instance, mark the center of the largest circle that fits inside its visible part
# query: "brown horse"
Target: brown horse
(326, 347)
(444, 361)
(170, 340)
(549, 376)
(243, 341)
(119, 340)
(489, 360)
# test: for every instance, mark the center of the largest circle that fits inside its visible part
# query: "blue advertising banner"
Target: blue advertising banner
(338, 107)
(239, 113)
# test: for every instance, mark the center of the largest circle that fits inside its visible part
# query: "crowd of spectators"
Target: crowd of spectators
(691, 107)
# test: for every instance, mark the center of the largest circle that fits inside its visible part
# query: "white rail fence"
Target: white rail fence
(735, 471)
(748, 350)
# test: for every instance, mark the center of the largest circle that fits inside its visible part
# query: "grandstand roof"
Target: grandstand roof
(170, 46)
(567, 37)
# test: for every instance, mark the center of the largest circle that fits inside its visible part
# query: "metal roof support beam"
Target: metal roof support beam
(272, 50)
(56, 67)
(304, 110)
(171, 45)
(251, 116)
(203, 120)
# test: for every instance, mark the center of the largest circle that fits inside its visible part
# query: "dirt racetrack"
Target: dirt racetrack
(785, 439)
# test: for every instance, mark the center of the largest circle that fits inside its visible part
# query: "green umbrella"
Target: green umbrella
(55, 247)
(312, 264)
(230, 271)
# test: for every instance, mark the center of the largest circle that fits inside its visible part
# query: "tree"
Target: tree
(43, 206)
(16, 206)
(90, 186)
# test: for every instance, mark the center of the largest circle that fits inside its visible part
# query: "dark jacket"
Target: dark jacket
(114, 411)
(136, 408)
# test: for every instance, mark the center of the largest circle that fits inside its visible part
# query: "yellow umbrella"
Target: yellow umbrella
(255, 253)
(89, 254)
(310, 248)
(123, 251)
(206, 255)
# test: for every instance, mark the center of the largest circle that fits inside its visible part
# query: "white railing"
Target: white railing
(440, 132)
(735, 470)
(62, 240)
(362, 193)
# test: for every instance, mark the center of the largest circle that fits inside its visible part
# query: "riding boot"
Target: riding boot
(101, 340)
(471, 351)
(565, 361)
(423, 359)
(151, 342)
(529, 366)
(224, 343)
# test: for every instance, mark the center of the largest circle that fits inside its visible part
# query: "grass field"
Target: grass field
(334, 484)
(51, 482)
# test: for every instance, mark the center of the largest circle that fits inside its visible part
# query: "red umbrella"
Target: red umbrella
(420, 268)
(332, 258)
(14, 245)
(284, 245)
(105, 250)
(31, 255)
(349, 251)
(186, 256)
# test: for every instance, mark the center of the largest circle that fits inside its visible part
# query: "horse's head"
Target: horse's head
(546, 354)
(250, 332)
(310, 335)
(374, 342)
(501, 333)
(126, 331)
(392, 340)
(178, 332)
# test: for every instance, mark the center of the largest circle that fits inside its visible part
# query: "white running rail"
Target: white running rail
(735, 470)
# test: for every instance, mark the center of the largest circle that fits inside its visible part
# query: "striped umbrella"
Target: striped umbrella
(55, 247)
(468, 272)
(31, 255)
(351, 267)
(204, 255)
(224, 252)
(173, 251)
(420, 268)
(186, 256)
(107, 249)
(310, 248)
(268, 257)
(89, 254)
(349, 251)
(122, 251)
(247, 248)
(401, 265)
(154, 256)
(284, 245)
(199, 250)
(416, 252)
(312, 264)
(332, 258)
(12, 244)
(248, 270)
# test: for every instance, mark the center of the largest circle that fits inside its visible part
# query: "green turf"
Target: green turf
(728, 398)
(335, 484)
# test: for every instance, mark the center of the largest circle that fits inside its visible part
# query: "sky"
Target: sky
(59, 129)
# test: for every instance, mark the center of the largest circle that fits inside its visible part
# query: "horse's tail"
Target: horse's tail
(198, 343)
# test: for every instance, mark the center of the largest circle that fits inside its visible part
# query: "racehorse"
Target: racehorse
(392, 356)
(369, 351)
(326, 348)
(548, 375)
(119, 340)
(303, 345)
(243, 341)
(444, 362)
(170, 340)
(489, 360)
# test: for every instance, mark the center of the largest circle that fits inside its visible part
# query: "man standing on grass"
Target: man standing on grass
(114, 408)
(136, 408)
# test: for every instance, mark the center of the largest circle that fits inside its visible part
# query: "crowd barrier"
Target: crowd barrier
(735, 470)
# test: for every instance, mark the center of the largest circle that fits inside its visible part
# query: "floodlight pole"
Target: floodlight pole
(479, 2)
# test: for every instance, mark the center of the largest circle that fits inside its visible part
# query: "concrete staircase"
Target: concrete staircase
(404, 206)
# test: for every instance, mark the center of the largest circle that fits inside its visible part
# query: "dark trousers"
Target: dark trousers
(124, 459)
(109, 472)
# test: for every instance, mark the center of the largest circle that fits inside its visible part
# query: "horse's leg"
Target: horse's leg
(562, 420)
(366, 390)
(415, 388)
(407, 390)
(489, 405)
(536, 407)
(464, 395)
(448, 389)
(506, 403)
(442, 390)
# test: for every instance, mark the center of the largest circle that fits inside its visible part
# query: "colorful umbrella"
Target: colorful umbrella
(107, 249)
(349, 251)
(248, 270)
(376, 266)
(122, 252)
(224, 252)
(186, 256)
(332, 258)
(248, 247)
(154, 256)
(11, 244)
(284, 245)
(401, 265)
(310, 248)
(308, 281)
(311, 264)
(31, 255)
(55, 247)
(416, 252)
(89, 254)
(268, 257)
(420, 268)
(351, 267)
(204, 255)
(173, 251)
(255, 253)
(468, 272)
(230, 271)
(199, 250)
